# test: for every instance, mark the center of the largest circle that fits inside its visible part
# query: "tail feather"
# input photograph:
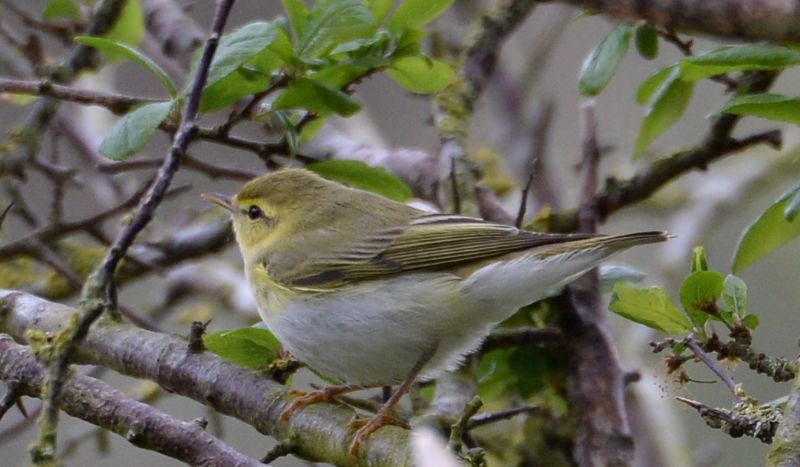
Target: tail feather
(508, 285)
(636, 238)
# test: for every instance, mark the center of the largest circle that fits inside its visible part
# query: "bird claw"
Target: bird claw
(367, 426)
(304, 398)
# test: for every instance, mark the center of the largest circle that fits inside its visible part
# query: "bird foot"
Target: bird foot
(367, 426)
(304, 398)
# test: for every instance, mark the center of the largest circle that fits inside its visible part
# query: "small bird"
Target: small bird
(374, 293)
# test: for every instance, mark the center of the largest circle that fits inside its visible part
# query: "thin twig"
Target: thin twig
(523, 201)
(116, 103)
(712, 365)
(513, 337)
(492, 417)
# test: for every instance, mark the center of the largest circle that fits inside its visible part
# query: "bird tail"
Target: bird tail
(529, 277)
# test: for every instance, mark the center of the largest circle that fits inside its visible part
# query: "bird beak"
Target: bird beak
(218, 198)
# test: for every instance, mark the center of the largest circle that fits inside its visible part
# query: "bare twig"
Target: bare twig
(723, 375)
(493, 417)
(117, 103)
(503, 338)
(761, 424)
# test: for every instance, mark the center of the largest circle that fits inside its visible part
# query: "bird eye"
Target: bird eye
(254, 212)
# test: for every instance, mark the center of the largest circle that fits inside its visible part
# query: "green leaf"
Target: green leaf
(699, 260)
(409, 43)
(769, 106)
(793, 206)
(728, 59)
(332, 22)
(770, 231)
(289, 131)
(282, 46)
(530, 365)
(237, 48)
(61, 9)
(599, 66)
(666, 108)
(379, 8)
(649, 306)
(750, 321)
(494, 373)
(650, 86)
(305, 93)
(359, 175)
(734, 295)
(252, 348)
(420, 75)
(129, 29)
(699, 294)
(416, 13)
(339, 75)
(231, 88)
(646, 40)
(297, 12)
(124, 50)
(610, 274)
(381, 38)
(132, 131)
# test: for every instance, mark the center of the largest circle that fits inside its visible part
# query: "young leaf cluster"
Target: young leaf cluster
(705, 295)
(306, 61)
(667, 92)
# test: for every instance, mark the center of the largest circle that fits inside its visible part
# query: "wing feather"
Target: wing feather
(426, 243)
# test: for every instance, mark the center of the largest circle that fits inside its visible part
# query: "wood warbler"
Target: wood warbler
(373, 292)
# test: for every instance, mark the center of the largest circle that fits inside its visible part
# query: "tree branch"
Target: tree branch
(102, 405)
(320, 430)
(785, 449)
(116, 103)
(595, 380)
(717, 144)
(773, 20)
(453, 107)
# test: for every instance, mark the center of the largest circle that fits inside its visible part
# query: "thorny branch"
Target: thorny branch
(99, 293)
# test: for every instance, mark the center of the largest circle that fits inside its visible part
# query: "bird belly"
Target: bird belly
(374, 332)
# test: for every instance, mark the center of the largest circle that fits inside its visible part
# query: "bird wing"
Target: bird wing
(426, 243)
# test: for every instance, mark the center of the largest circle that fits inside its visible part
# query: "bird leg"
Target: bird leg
(384, 414)
(327, 394)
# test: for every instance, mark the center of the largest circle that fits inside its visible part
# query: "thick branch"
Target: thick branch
(319, 430)
(595, 380)
(785, 450)
(774, 20)
(102, 405)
